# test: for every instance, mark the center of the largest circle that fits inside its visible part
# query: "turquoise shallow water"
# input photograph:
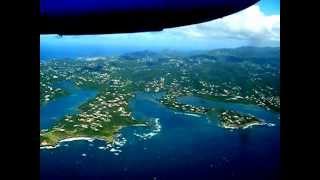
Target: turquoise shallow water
(178, 147)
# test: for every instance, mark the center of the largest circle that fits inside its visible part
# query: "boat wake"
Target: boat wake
(187, 114)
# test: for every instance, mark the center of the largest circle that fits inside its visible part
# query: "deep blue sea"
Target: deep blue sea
(49, 51)
(61, 51)
(180, 146)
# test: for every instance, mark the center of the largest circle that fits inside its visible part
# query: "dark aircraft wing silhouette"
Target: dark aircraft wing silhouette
(76, 17)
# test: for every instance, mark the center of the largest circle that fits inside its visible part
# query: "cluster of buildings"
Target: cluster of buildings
(155, 85)
(105, 108)
(234, 120)
(171, 102)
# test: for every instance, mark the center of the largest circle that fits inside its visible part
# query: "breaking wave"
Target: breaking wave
(115, 146)
(155, 128)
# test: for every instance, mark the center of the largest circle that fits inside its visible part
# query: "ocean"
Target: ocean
(180, 146)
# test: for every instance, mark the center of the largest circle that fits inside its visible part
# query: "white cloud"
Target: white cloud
(250, 25)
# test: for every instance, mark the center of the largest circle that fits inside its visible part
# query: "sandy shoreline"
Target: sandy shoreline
(49, 147)
(71, 139)
(78, 139)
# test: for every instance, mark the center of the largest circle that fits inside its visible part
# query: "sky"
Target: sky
(258, 25)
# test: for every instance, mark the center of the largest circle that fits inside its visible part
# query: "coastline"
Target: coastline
(89, 139)
(49, 147)
(70, 140)
(139, 125)
(77, 139)
(245, 126)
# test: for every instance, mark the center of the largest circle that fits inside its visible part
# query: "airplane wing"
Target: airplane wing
(76, 17)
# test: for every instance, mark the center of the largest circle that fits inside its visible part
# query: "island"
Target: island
(235, 120)
(226, 75)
